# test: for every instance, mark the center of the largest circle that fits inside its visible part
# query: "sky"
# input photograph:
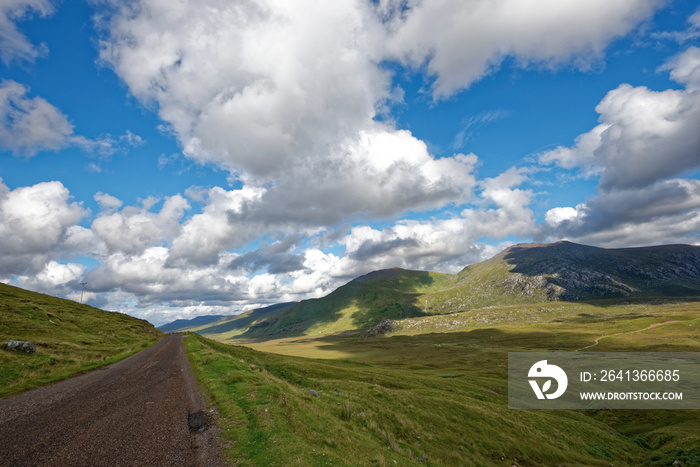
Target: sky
(175, 158)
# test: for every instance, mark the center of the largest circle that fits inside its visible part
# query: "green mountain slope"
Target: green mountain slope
(186, 324)
(236, 325)
(525, 273)
(69, 338)
(361, 303)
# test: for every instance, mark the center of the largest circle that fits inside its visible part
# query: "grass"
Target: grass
(70, 338)
(443, 395)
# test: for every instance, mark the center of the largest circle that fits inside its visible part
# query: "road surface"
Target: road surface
(134, 412)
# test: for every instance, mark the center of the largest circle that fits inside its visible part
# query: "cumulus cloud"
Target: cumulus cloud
(644, 136)
(668, 210)
(133, 229)
(461, 42)
(447, 244)
(205, 236)
(275, 258)
(54, 278)
(14, 46)
(39, 224)
(289, 106)
(29, 125)
(294, 77)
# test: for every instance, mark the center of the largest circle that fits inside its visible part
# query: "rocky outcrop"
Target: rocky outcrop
(21, 346)
(382, 328)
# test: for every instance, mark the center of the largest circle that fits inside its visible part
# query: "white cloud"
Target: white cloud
(53, 278)
(685, 68)
(692, 32)
(204, 236)
(108, 203)
(29, 125)
(644, 136)
(13, 44)
(288, 105)
(665, 212)
(134, 229)
(446, 244)
(38, 224)
(555, 216)
(461, 42)
(293, 78)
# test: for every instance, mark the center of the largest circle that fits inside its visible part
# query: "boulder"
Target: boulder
(21, 346)
(382, 328)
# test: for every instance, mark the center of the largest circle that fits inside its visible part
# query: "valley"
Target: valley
(307, 384)
(443, 394)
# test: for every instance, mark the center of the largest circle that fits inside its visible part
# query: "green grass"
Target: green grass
(70, 338)
(443, 394)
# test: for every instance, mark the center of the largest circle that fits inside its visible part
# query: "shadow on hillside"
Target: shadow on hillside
(244, 322)
(389, 294)
(471, 349)
(573, 272)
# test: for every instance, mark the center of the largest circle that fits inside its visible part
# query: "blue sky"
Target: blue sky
(200, 157)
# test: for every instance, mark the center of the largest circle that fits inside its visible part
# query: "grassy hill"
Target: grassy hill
(69, 338)
(521, 274)
(235, 325)
(438, 388)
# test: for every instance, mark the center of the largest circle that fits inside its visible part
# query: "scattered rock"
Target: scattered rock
(313, 393)
(361, 414)
(197, 421)
(21, 346)
(382, 328)
(423, 458)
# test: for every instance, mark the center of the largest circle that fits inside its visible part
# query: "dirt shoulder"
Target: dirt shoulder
(134, 412)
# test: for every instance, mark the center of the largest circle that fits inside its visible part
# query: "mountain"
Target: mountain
(524, 273)
(531, 273)
(69, 338)
(228, 326)
(184, 324)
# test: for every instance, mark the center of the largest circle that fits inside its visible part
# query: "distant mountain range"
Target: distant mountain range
(212, 320)
(524, 273)
(184, 324)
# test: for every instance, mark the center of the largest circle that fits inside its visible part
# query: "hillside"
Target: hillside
(524, 273)
(69, 338)
(185, 324)
(228, 326)
(572, 272)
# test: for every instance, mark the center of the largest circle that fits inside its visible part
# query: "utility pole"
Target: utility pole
(82, 291)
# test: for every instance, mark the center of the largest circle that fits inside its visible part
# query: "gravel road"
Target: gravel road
(134, 412)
